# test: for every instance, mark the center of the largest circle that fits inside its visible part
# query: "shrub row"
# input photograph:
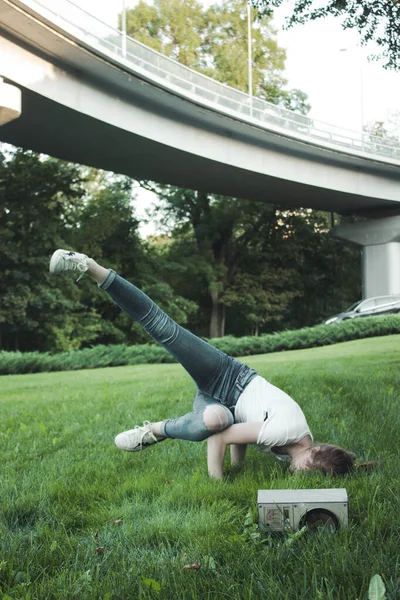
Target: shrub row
(117, 355)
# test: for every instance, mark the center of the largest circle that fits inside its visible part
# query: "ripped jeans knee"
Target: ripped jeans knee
(217, 417)
(199, 424)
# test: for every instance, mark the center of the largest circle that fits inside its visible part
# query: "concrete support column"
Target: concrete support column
(10, 102)
(380, 239)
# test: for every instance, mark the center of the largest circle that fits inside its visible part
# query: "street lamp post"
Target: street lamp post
(249, 56)
(123, 28)
(10, 102)
(360, 65)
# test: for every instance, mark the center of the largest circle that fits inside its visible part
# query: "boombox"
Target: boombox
(290, 510)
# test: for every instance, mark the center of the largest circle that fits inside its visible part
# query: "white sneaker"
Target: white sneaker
(136, 439)
(64, 260)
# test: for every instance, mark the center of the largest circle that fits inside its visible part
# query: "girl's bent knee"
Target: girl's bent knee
(217, 417)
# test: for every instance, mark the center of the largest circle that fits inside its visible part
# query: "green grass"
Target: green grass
(63, 484)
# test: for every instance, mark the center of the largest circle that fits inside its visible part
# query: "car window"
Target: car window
(370, 303)
(367, 305)
(383, 300)
(353, 306)
(387, 300)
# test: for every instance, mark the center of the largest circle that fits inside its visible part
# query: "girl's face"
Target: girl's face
(303, 461)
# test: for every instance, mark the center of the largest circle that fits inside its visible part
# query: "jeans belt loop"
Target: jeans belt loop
(239, 390)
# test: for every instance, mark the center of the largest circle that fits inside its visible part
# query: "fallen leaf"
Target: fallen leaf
(118, 522)
(152, 584)
(100, 549)
(193, 566)
(96, 535)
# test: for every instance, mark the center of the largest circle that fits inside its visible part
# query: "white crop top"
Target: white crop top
(283, 420)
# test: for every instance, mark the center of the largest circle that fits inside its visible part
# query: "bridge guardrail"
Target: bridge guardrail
(189, 83)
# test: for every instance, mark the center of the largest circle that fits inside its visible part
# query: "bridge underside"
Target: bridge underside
(54, 129)
(81, 105)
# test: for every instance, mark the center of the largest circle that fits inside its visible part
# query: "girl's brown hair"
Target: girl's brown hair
(333, 460)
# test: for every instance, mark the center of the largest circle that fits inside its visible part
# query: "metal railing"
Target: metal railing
(186, 82)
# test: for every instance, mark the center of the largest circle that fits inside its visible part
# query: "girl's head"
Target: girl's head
(331, 460)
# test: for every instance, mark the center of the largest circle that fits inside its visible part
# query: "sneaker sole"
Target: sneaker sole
(137, 448)
(122, 446)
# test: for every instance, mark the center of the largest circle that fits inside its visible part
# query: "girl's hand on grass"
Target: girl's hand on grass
(239, 434)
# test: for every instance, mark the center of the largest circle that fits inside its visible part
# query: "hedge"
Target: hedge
(121, 354)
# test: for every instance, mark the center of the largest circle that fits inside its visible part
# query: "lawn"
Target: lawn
(81, 519)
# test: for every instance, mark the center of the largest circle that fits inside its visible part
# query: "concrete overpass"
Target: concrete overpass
(91, 96)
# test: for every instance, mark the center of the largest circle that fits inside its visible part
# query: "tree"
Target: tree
(210, 220)
(213, 229)
(39, 198)
(327, 276)
(389, 131)
(377, 21)
(293, 274)
(226, 50)
(45, 204)
(295, 100)
(108, 230)
(108, 227)
(279, 268)
(223, 246)
(174, 28)
(213, 41)
(260, 294)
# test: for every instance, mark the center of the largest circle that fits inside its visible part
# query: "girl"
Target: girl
(233, 406)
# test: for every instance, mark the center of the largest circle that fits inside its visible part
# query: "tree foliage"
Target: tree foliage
(388, 130)
(46, 204)
(251, 266)
(38, 202)
(214, 41)
(377, 21)
(225, 265)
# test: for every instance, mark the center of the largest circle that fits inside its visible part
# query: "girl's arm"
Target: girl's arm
(238, 453)
(238, 434)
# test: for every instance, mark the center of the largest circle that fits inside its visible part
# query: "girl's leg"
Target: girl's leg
(203, 362)
(220, 378)
(208, 417)
(213, 371)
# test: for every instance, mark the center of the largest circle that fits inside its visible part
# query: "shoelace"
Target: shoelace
(78, 264)
(146, 429)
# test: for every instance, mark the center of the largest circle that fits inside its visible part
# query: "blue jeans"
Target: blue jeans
(220, 379)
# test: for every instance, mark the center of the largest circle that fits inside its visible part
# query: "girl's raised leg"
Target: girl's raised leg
(214, 372)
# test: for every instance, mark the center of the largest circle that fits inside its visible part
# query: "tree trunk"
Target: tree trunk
(223, 319)
(217, 321)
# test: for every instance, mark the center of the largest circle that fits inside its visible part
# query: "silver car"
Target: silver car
(381, 305)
